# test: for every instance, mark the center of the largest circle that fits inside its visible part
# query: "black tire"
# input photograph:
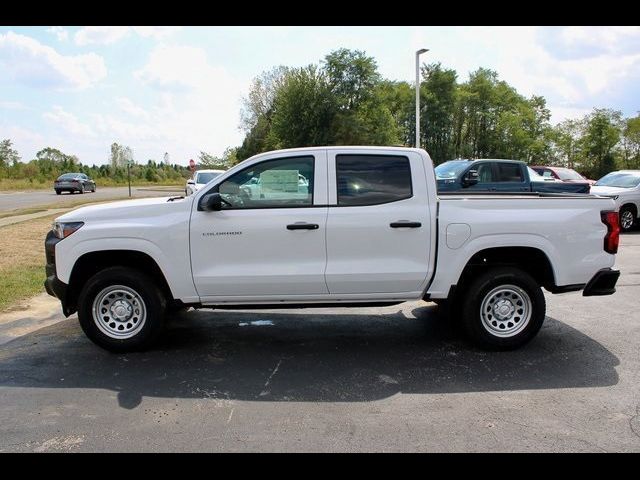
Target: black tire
(93, 190)
(144, 286)
(58, 192)
(481, 288)
(627, 211)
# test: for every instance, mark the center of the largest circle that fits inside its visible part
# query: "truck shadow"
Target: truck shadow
(305, 356)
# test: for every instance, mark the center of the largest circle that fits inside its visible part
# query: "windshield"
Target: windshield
(568, 174)
(620, 179)
(450, 169)
(206, 177)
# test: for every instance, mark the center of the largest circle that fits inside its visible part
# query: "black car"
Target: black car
(491, 175)
(74, 182)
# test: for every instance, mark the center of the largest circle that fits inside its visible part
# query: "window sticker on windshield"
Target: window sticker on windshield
(279, 181)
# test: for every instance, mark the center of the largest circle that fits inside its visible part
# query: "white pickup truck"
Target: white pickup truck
(365, 228)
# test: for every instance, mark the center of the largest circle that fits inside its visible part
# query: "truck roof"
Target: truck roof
(344, 147)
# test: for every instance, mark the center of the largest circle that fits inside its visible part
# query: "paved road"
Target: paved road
(37, 198)
(378, 379)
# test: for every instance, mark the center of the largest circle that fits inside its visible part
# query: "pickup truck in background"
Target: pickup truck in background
(366, 228)
(488, 175)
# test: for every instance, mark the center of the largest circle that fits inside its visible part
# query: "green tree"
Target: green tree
(602, 134)
(304, 109)
(352, 77)
(631, 143)
(8, 155)
(567, 139)
(438, 92)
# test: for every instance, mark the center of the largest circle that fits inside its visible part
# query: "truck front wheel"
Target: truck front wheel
(121, 309)
(502, 309)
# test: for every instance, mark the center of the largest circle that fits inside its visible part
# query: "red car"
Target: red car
(561, 173)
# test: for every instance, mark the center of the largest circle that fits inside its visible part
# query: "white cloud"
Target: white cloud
(560, 113)
(11, 105)
(197, 106)
(569, 66)
(38, 65)
(100, 35)
(60, 33)
(127, 106)
(67, 122)
(109, 35)
(175, 68)
(157, 33)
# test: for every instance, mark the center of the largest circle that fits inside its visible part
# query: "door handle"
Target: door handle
(303, 226)
(405, 224)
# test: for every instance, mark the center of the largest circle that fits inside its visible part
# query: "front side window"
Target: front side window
(280, 183)
(509, 172)
(485, 173)
(372, 179)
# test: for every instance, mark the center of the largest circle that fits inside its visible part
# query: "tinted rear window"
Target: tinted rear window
(509, 172)
(372, 179)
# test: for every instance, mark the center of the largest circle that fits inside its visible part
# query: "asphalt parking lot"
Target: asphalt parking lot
(373, 379)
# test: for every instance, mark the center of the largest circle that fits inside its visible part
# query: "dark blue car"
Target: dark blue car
(489, 175)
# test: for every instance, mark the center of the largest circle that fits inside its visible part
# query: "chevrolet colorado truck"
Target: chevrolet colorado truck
(366, 227)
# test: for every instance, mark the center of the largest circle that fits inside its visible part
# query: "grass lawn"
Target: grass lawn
(22, 260)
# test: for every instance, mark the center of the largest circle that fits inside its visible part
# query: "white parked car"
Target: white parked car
(364, 226)
(624, 187)
(200, 179)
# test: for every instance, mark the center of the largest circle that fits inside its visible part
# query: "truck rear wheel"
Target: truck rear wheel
(121, 309)
(503, 309)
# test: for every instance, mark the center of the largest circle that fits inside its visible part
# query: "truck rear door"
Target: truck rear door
(378, 225)
(511, 177)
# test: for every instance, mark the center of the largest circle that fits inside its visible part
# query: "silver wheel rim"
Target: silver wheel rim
(505, 311)
(119, 312)
(627, 219)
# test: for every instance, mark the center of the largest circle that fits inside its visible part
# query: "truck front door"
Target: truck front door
(269, 237)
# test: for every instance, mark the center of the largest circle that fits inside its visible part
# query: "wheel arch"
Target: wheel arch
(91, 263)
(529, 259)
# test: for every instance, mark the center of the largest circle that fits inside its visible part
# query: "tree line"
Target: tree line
(50, 163)
(344, 100)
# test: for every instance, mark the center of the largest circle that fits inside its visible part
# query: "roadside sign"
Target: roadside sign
(192, 165)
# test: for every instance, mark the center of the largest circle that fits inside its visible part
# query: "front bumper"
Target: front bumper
(53, 285)
(602, 283)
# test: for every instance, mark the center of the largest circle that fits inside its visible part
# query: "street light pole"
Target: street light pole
(418, 53)
(129, 175)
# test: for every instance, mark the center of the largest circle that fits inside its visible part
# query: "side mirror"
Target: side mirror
(470, 178)
(191, 182)
(211, 202)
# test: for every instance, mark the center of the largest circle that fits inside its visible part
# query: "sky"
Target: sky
(179, 89)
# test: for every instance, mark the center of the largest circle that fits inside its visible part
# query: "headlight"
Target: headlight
(64, 229)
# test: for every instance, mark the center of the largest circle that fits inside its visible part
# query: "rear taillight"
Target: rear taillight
(612, 238)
